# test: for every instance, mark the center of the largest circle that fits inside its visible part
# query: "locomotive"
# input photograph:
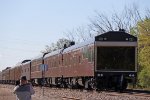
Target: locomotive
(109, 61)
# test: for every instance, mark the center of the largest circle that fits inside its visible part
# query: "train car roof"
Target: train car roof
(27, 62)
(116, 36)
(53, 53)
(90, 41)
(18, 64)
(70, 48)
(37, 57)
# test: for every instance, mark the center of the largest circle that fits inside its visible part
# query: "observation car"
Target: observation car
(108, 61)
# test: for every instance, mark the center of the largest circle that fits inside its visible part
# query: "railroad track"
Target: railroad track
(140, 93)
(134, 93)
(70, 98)
(80, 94)
(129, 92)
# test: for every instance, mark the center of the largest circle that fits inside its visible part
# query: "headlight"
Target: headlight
(131, 75)
(100, 75)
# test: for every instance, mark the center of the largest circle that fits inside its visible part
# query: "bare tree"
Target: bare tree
(102, 23)
(70, 35)
(126, 20)
(82, 33)
(55, 46)
(148, 13)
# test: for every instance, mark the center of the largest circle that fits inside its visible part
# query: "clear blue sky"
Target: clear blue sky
(26, 26)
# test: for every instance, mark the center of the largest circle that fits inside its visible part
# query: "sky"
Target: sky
(26, 26)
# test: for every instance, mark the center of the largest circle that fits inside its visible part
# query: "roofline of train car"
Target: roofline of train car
(24, 62)
(37, 57)
(76, 46)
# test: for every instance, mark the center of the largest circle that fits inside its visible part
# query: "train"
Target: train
(108, 61)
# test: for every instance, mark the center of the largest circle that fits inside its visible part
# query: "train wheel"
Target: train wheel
(63, 85)
(94, 85)
(70, 85)
(73, 83)
(87, 85)
(50, 82)
(122, 84)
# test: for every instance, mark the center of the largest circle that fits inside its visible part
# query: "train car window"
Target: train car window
(64, 60)
(79, 59)
(68, 59)
(88, 53)
(49, 64)
(75, 59)
(85, 52)
(52, 63)
(32, 68)
(71, 60)
(116, 58)
(59, 61)
(55, 63)
(37, 67)
(92, 55)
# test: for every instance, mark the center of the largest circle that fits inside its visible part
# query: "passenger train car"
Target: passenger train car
(109, 61)
(12, 75)
(26, 69)
(5, 75)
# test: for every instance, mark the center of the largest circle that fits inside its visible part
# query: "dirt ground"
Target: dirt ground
(6, 93)
(46, 93)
